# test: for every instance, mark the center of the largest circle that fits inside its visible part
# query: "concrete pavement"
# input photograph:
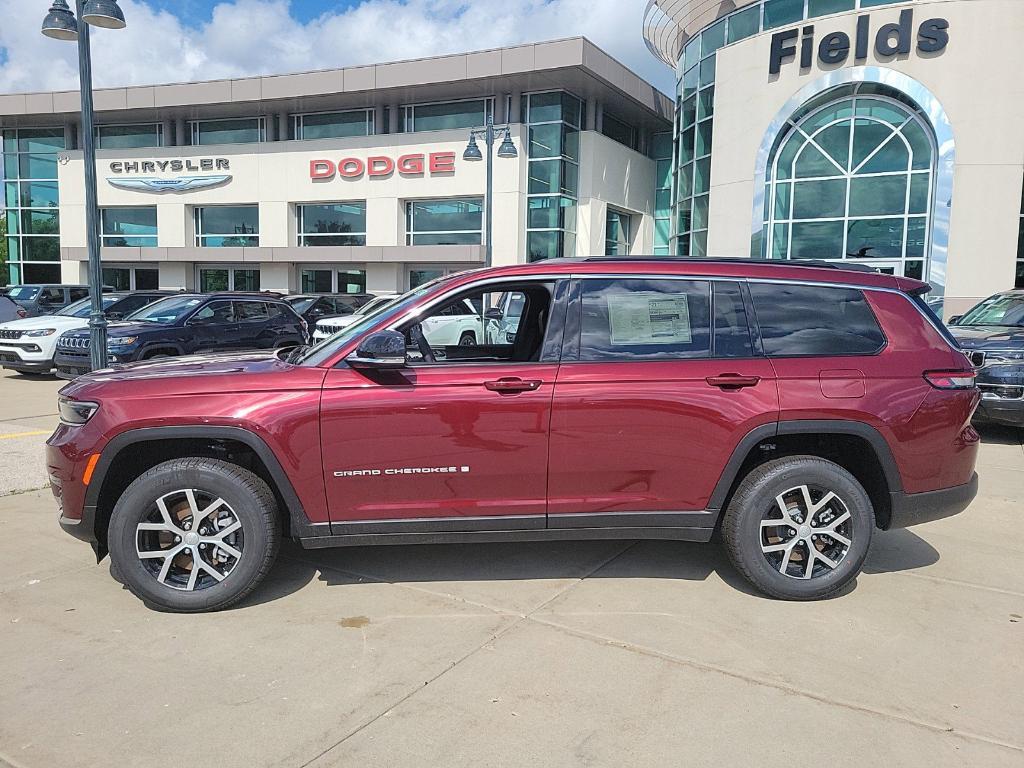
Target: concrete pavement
(561, 654)
(28, 414)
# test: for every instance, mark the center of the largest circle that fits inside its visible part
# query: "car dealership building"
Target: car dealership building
(342, 180)
(882, 132)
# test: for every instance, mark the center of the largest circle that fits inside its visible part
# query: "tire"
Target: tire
(467, 339)
(245, 499)
(833, 564)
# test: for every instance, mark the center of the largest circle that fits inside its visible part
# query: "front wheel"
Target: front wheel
(194, 534)
(467, 339)
(798, 528)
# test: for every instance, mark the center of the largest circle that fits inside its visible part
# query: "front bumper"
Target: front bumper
(998, 409)
(72, 365)
(916, 508)
(25, 357)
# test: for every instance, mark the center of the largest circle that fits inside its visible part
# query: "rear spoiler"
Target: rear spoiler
(912, 286)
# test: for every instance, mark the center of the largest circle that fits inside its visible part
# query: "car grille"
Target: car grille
(10, 334)
(330, 330)
(73, 343)
(1001, 392)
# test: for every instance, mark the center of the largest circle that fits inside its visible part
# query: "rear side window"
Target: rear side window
(78, 293)
(797, 320)
(732, 333)
(645, 319)
(250, 311)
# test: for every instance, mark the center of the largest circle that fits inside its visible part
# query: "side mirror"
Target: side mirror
(380, 351)
(954, 320)
(493, 314)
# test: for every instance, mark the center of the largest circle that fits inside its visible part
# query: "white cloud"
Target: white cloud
(247, 37)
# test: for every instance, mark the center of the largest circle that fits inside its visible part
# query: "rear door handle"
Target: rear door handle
(732, 381)
(513, 384)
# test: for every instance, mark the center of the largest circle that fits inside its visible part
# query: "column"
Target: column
(282, 127)
(181, 138)
(168, 129)
(591, 118)
(271, 124)
(378, 118)
(395, 119)
(70, 136)
(500, 108)
(514, 115)
(598, 116)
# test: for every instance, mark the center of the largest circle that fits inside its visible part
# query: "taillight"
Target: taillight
(951, 379)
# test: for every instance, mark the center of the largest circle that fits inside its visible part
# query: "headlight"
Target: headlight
(75, 412)
(122, 341)
(41, 332)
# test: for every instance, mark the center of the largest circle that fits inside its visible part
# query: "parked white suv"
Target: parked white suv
(28, 345)
(329, 326)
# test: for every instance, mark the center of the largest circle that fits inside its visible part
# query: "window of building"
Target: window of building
(129, 136)
(554, 119)
(332, 280)
(800, 320)
(227, 226)
(617, 234)
(634, 320)
(248, 130)
(454, 221)
(441, 116)
(852, 179)
(618, 130)
(125, 278)
(128, 227)
(419, 274)
(31, 199)
(333, 125)
(332, 223)
(223, 278)
(661, 151)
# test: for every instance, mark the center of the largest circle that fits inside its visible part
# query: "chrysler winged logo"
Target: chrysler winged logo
(179, 184)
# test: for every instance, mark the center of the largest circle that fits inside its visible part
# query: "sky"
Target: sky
(185, 40)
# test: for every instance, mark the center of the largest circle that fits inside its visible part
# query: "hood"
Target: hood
(989, 336)
(60, 322)
(340, 321)
(212, 364)
(119, 328)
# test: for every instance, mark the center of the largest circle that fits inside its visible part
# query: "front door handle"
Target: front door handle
(732, 381)
(512, 384)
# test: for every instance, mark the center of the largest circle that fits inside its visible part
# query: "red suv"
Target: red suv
(794, 407)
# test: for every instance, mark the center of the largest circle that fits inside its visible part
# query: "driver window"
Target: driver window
(483, 326)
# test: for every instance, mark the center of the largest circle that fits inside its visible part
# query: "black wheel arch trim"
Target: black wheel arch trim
(300, 523)
(805, 427)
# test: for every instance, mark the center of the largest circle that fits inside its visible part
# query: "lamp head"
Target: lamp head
(103, 13)
(472, 152)
(60, 22)
(507, 148)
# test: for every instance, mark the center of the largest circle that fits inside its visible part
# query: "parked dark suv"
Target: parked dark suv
(46, 299)
(187, 323)
(992, 334)
(793, 408)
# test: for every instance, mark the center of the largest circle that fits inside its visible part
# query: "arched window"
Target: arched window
(851, 177)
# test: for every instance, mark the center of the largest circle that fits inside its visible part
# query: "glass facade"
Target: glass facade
(695, 103)
(31, 201)
(242, 131)
(852, 179)
(661, 153)
(332, 224)
(617, 233)
(333, 125)
(1019, 280)
(618, 130)
(129, 136)
(318, 280)
(216, 278)
(128, 227)
(554, 120)
(447, 115)
(227, 226)
(455, 221)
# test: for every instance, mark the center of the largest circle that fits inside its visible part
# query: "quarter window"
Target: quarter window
(797, 320)
(225, 226)
(333, 224)
(638, 320)
(444, 222)
(129, 227)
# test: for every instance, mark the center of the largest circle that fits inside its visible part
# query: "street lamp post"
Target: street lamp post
(60, 24)
(473, 154)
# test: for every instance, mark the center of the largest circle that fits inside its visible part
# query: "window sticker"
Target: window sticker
(649, 317)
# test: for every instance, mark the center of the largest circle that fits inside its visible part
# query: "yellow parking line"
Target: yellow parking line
(26, 434)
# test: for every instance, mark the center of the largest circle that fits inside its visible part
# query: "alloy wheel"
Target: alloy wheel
(807, 532)
(190, 540)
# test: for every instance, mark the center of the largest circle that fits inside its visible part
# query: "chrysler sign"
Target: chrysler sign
(380, 166)
(127, 178)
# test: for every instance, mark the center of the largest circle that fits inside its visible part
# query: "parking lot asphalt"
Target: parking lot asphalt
(555, 654)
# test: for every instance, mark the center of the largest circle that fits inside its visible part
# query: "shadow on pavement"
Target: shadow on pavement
(999, 434)
(891, 551)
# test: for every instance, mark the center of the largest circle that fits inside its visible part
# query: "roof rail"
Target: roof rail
(815, 263)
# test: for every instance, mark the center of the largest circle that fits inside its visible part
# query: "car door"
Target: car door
(215, 328)
(253, 325)
(660, 379)
(459, 443)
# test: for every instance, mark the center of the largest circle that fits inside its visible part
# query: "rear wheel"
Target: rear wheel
(467, 339)
(798, 528)
(194, 534)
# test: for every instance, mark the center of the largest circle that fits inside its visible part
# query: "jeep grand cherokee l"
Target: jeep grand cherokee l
(793, 408)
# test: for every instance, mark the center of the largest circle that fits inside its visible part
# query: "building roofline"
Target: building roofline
(526, 62)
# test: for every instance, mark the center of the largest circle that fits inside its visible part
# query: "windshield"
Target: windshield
(386, 308)
(1005, 309)
(82, 307)
(301, 304)
(166, 311)
(23, 292)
